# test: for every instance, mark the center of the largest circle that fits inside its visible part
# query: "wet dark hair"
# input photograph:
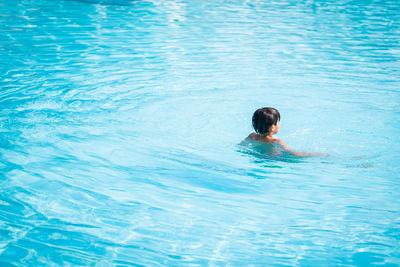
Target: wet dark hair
(264, 118)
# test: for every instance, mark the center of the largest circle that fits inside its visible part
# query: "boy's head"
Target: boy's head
(264, 118)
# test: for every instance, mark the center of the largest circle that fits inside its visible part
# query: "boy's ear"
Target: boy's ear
(272, 128)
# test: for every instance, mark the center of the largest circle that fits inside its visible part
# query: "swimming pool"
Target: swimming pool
(120, 123)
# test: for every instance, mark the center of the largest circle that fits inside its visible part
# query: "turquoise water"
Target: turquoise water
(120, 123)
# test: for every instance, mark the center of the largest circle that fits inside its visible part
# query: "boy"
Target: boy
(266, 124)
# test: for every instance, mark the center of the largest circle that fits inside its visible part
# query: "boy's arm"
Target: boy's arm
(301, 154)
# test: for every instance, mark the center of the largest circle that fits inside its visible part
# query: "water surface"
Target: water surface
(120, 123)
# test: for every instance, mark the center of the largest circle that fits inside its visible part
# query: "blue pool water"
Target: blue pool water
(120, 124)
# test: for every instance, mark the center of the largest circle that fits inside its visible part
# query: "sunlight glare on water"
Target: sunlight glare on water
(120, 125)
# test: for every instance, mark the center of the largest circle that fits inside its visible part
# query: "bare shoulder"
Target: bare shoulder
(280, 142)
(252, 136)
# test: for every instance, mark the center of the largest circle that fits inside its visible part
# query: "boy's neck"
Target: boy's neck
(270, 135)
(267, 136)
